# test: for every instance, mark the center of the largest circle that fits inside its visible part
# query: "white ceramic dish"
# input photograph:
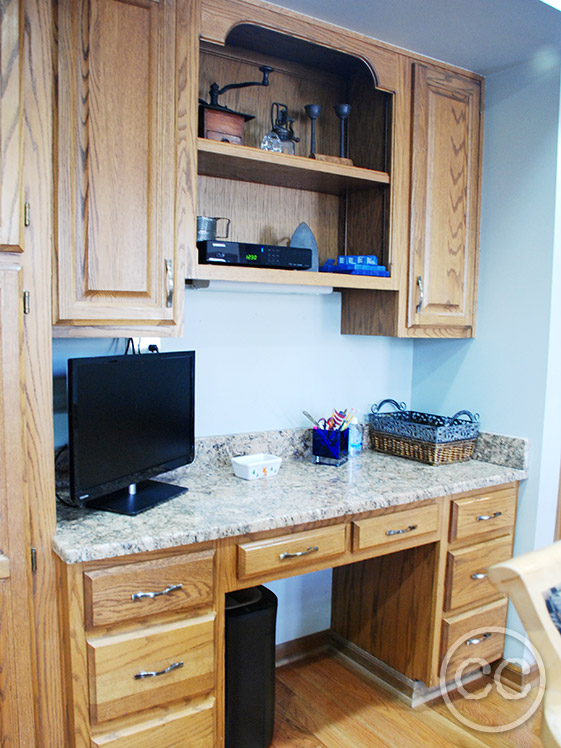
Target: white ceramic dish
(260, 465)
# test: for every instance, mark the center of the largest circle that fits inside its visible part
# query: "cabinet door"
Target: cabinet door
(16, 668)
(127, 85)
(11, 201)
(444, 203)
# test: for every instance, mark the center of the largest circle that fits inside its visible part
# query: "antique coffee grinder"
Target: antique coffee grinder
(217, 122)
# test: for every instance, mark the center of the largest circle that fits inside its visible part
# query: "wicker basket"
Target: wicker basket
(436, 440)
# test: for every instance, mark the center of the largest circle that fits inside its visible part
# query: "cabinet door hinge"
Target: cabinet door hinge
(26, 214)
(33, 560)
(26, 302)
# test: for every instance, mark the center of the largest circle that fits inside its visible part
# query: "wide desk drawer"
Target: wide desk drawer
(391, 528)
(489, 511)
(290, 550)
(466, 572)
(170, 729)
(150, 666)
(473, 638)
(132, 591)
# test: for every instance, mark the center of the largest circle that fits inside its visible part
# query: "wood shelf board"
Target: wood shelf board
(247, 164)
(294, 277)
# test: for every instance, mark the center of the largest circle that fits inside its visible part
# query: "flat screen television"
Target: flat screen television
(130, 418)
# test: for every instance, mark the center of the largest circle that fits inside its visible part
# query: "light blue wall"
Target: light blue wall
(261, 360)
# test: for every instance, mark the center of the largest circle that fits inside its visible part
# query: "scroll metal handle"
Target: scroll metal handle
(169, 283)
(485, 517)
(155, 673)
(421, 293)
(296, 554)
(478, 639)
(141, 595)
(479, 575)
(400, 532)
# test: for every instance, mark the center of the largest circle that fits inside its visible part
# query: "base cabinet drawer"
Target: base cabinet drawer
(473, 638)
(132, 591)
(394, 527)
(150, 667)
(490, 511)
(466, 572)
(290, 550)
(192, 726)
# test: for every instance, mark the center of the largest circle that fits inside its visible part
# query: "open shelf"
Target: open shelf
(294, 277)
(247, 164)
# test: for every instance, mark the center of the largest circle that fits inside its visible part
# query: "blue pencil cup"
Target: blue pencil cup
(330, 446)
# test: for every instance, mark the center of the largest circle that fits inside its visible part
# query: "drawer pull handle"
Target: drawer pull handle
(477, 640)
(151, 595)
(155, 673)
(485, 517)
(479, 575)
(400, 532)
(296, 554)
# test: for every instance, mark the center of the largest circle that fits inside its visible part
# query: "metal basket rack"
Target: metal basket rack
(436, 440)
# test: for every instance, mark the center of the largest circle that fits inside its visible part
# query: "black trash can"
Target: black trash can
(250, 667)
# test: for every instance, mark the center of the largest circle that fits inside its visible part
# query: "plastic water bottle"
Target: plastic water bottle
(355, 437)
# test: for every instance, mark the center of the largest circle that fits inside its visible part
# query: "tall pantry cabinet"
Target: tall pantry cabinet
(30, 674)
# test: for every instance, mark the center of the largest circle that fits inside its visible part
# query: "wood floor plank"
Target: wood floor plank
(327, 701)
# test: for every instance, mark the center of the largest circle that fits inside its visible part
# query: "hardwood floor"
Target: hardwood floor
(328, 702)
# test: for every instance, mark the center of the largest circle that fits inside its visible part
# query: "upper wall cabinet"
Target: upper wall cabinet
(11, 118)
(444, 203)
(126, 150)
(350, 201)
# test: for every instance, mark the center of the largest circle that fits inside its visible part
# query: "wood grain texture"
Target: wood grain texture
(465, 565)
(370, 716)
(444, 198)
(170, 730)
(384, 606)
(406, 526)
(469, 639)
(305, 550)
(39, 485)
(16, 614)
(108, 592)
(114, 660)
(126, 152)
(11, 119)
(483, 512)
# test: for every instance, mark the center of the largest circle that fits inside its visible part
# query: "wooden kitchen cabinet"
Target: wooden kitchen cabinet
(126, 153)
(11, 124)
(445, 196)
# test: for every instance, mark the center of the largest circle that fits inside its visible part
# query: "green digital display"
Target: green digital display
(251, 258)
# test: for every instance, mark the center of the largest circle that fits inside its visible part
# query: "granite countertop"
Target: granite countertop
(219, 505)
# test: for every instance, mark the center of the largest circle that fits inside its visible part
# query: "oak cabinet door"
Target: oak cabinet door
(11, 117)
(444, 203)
(127, 78)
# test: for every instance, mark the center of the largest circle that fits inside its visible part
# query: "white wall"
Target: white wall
(260, 360)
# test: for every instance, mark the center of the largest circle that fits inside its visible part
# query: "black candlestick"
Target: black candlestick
(313, 111)
(342, 111)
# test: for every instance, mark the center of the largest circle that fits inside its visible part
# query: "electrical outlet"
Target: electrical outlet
(145, 343)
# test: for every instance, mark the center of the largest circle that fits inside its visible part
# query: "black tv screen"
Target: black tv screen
(129, 419)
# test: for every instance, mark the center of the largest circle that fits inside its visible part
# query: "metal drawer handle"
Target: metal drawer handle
(421, 294)
(478, 640)
(155, 673)
(311, 549)
(479, 575)
(485, 517)
(141, 595)
(400, 532)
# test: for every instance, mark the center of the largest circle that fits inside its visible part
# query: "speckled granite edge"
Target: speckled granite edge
(510, 451)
